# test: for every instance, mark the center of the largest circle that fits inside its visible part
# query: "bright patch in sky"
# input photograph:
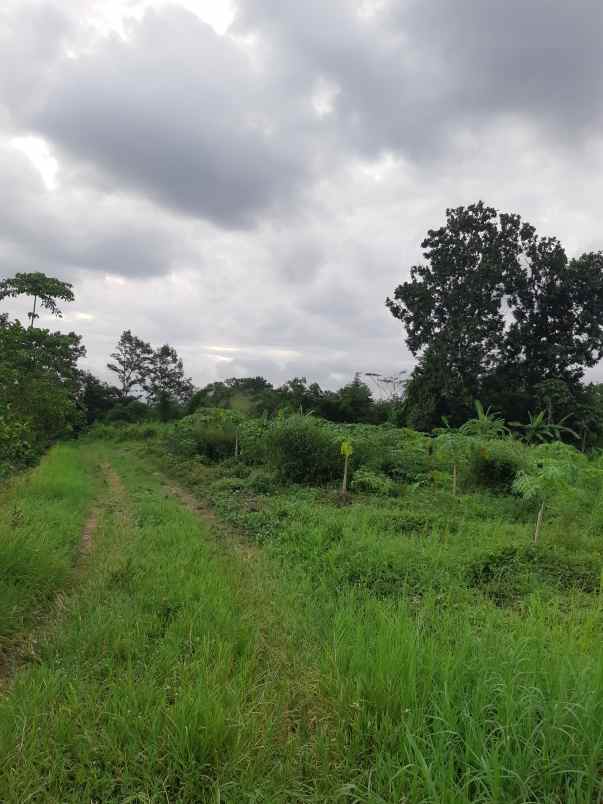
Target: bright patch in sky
(325, 95)
(38, 152)
(110, 15)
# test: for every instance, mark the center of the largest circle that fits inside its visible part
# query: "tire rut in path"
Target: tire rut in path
(23, 650)
(243, 547)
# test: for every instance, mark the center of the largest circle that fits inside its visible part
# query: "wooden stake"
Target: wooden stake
(538, 524)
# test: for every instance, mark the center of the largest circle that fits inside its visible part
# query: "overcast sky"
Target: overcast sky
(248, 181)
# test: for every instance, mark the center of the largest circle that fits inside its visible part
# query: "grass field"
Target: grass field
(290, 648)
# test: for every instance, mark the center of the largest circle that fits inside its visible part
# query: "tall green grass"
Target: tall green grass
(167, 679)
(42, 516)
(190, 668)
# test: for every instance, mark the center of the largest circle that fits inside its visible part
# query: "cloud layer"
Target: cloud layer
(253, 196)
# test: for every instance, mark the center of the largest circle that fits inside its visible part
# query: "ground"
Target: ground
(178, 633)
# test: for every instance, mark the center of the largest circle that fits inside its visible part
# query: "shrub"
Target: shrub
(207, 434)
(302, 450)
(130, 412)
(494, 464)
(369, 482)
(262, 481)
(16, 444)
(126, 432)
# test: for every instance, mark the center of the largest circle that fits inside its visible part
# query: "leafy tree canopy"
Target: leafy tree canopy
(495, 307)
(44, 289)
(131, 363)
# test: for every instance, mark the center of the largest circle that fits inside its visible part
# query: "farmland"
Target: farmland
(239, 629)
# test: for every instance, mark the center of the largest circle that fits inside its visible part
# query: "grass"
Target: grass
(346, 658)
(42, 515)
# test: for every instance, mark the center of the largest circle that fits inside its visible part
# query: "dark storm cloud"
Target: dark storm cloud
(178, 114)
(415, 73)
(76, 230)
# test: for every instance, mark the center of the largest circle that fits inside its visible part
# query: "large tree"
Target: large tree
(131, 363)
(495, 310)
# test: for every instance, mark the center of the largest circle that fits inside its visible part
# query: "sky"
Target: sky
(248, 181)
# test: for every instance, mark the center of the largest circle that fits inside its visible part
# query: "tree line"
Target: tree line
(495, 314)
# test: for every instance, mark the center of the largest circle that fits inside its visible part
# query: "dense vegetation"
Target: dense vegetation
(407, 640)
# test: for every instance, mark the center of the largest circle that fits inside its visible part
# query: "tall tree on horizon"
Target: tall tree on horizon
(132, 358)
(165, 382)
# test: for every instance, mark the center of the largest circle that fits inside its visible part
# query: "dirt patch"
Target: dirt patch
(87, 539)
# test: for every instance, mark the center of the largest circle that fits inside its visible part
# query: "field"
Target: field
(233, 628)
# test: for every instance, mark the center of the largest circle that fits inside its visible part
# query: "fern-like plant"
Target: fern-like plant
(553, 468)
(452, 446)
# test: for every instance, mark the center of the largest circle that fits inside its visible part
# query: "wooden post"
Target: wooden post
(538, 524)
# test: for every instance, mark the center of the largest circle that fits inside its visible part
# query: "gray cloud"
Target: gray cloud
(178, 114)
(252, 198)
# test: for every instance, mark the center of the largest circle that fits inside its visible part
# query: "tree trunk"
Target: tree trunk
(237, 445)
(538, 524)
(454, 479)
(344, 485)
(32, 315)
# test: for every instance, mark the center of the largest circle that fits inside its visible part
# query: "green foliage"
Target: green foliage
(45, 289)
(208, 434)
(494, 464)
(129, 412)
(142, 431)
(510, 574)
(486, 424)
(16, 443)
(368, 481)
(492, 311)
(551, 469)
(539, 430)
(131, 362)
(165, 383)
(302, 450)
(39, 388)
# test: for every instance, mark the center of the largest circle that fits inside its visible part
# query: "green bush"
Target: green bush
(494, 464)
(16, 445)
(208, 435)
(126, 432)
(302, 450)
(369, 482)
(131, 412)
(262, 481)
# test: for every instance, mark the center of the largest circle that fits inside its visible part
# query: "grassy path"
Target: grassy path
(187, 667)
(165, 679)
(44, 524)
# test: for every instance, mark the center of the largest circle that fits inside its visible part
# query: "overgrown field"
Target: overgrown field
(405, 642)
